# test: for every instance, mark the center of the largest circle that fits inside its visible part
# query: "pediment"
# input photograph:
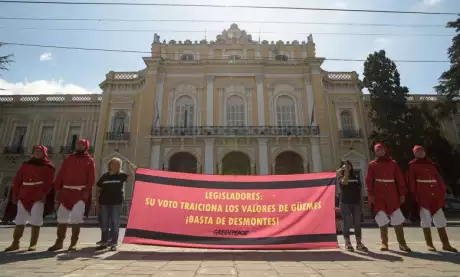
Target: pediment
(114, 154)
(353, 155)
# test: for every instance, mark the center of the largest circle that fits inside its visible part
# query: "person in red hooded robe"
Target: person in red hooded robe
(426, 184)
(386, 190)
(31, 185)
(74, 184)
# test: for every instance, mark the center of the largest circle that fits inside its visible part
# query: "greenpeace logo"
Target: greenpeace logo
(220, 232)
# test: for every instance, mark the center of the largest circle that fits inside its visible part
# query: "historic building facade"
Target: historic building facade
(57, 121)
(232, 106)
(228, 106)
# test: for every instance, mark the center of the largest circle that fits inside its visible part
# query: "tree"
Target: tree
(389, 111)
(5, 60)
(449, 82)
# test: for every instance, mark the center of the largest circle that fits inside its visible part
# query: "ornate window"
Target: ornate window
(19, 136)
(119, 122)
(346, 119)
(281, 57)
(187, 57)
(184, 111)
(235, 111)
(285, 111)
(47, 135)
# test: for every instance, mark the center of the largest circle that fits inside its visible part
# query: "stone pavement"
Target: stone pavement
(133, 260)
(136, 260)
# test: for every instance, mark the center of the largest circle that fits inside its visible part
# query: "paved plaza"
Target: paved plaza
(135, 260)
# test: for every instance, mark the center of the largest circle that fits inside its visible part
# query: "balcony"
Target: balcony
(350, 134)
(70, 150)
(117, 136)
(244, 131)
(49, 148)
(14, 150)
(67, 149)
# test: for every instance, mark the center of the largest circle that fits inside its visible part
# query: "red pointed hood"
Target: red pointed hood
(86, 143)
(381, 145)
(44, 160)
(85, 153)
(424, 160)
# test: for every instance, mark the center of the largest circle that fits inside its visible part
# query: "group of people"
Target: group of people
(387, 190)
(34, 188)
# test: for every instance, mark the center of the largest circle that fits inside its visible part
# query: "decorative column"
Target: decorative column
(263, 157)
(155, 153)
(209, 156)
(316, 155)
(159, 103)
(210, 100)
(260, 100)
(310, 99)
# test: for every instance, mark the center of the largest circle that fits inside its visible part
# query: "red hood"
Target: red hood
(87, 146)
(42, 161)
(385, 148)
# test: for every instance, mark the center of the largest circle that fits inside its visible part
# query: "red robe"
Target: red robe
(33, 181)
(426, 184)
(77, 170)
(385, 182)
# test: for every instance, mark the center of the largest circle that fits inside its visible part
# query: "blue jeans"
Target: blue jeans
(351, 214)
(110, 223)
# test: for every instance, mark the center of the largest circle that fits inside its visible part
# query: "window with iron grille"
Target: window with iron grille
(184, 112)
(285, 111)
(235, 111)
(47, 135)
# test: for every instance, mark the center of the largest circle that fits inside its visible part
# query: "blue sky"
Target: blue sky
(46, 71)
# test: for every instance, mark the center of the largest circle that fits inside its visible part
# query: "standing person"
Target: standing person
(386, 190)
(32, 183)
(350, 204)
(426, 184)
(110, 194)
(74, 184)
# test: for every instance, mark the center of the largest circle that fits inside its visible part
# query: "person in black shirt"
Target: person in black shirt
(350, 204)
(109, 200)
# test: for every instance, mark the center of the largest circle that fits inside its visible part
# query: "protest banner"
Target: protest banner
(233, 212)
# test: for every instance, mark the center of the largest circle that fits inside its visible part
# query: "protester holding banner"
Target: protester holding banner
(109, 200)
(426, 184)
(32, 183)
(386, 190)
(350, 204)
(74, 184)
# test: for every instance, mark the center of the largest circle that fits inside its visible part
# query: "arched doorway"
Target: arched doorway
(236, 163)
(289, 162)
(183, 162)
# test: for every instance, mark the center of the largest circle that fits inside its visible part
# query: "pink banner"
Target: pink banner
(233, 212)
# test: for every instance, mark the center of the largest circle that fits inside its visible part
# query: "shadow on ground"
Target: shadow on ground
(297, 256)
(434, 256)
(21, 256)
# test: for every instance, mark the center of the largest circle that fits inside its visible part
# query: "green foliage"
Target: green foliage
(5, 60)
(449, 82)
(401, 126)
(388, 104)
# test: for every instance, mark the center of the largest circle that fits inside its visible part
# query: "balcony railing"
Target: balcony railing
(70, 150)
(116, 136)
(14, 150)
(243, 131)
(49, 149)
(350, 134)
